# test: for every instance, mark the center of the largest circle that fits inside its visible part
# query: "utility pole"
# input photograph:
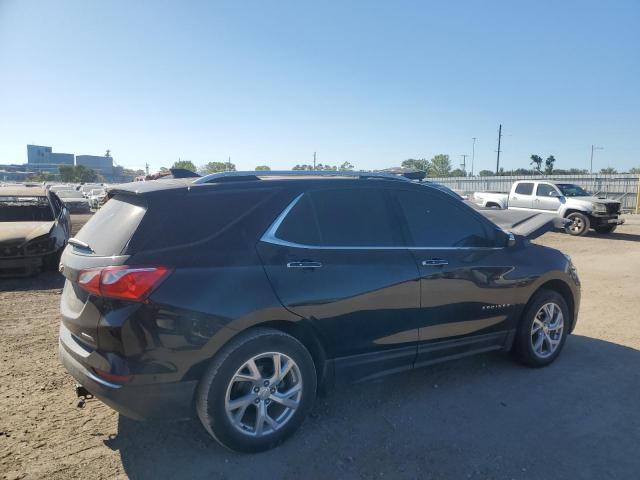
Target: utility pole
(146, 167)
(473, 154)
(314, 160)
(464, 163)
(229, 164)
(498, 159)
(593, 147)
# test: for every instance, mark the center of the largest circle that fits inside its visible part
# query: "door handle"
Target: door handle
(304, 264)
(434, 262)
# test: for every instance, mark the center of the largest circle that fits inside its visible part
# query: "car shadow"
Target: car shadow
(40, 281)
(627, 237)
(479, 417)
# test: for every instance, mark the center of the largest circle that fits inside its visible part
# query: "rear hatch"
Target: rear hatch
(100, 243)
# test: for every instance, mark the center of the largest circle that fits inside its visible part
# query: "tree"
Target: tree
(536, 162)
(261, 168)
(78, 173)
(186, 164)
(608, 171)
(548, 164)
(217, 167)
(346, 166)
(164, 170)
(417, 164)
(67, 173)
(635, 170)
(485, 173)
(458, 172)
(440, 166)
(304, 166)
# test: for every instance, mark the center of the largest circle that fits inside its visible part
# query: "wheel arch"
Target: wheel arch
(561, 287)
(303, 333)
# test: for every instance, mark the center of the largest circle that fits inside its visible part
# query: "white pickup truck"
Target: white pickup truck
(565, 199)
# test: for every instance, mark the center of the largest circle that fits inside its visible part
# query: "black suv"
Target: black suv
(234, 297)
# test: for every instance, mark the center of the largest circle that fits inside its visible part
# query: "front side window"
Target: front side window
(350, 217)
(524, 188)
(436, 222)
(544, 189)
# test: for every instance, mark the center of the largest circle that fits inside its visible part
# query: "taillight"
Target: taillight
(122, 282)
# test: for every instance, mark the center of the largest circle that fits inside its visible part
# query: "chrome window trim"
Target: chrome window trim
(270, 237)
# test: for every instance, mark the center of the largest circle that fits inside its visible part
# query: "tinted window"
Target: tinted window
(179, 220)
(300, 225)
(111, 227)
(524, 188)
(544, 189)
(358, 217)
(434, 221)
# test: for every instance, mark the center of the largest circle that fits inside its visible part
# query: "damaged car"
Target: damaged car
(34, 229)
(296, 280)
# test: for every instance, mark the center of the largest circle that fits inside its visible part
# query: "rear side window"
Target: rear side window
(353, 217)
(111, 227)
(524, 188)
(179, 220)
(434, 221)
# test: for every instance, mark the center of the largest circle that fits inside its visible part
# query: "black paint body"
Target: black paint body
(366, 312)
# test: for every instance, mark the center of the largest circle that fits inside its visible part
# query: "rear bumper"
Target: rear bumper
(160, 401)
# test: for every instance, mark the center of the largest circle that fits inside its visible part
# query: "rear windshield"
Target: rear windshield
(25, 209)
(108, 232)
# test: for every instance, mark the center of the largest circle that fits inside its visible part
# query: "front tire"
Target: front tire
(605, 228)
(579, 224)
(543, 329)
(257, 391)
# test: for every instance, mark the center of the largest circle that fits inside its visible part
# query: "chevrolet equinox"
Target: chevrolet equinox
(234, 297)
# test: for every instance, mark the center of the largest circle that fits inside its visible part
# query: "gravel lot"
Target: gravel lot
(483, 417)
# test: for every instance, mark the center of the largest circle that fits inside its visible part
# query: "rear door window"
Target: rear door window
(524, 188)
(438, 222)
(349, 217)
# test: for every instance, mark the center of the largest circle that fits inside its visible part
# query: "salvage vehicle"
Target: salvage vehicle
(34, 228)
(96, 196)
(277, 283)
(75, 201)
(565, 199)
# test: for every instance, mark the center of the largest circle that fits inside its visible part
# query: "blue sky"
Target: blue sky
(372, 83)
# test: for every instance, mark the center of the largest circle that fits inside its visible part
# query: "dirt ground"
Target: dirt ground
(478, 418)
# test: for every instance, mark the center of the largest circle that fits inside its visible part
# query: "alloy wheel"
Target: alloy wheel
(263, 394)
(546, 330)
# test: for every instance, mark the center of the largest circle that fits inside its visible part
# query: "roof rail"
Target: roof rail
(257, 175)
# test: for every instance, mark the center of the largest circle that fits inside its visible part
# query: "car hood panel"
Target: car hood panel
(23, 231)
(527, 224)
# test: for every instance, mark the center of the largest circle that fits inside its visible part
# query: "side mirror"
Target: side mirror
(511, 240)
(553, 193)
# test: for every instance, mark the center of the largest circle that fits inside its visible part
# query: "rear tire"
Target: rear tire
(543, 329)
(579, 224)
(244, 403)
(605, 228)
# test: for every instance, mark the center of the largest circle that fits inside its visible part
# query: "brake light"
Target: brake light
(122, 282)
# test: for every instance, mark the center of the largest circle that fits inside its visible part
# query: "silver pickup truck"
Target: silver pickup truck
(564, 199)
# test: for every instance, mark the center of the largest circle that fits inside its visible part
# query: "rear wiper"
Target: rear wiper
(80, 244)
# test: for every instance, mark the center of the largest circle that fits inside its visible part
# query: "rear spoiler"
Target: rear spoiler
(527, 224)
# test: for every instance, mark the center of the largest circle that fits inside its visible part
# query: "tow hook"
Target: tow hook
(83, 395)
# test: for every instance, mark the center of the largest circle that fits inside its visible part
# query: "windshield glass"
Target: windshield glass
(25, 209)
(69, 194)
(571, 190)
